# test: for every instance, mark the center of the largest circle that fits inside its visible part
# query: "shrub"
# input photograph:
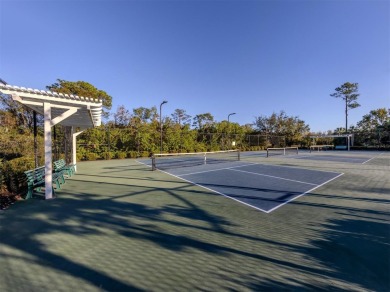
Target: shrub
(120, 155)
(91, 156)
(132, 154)
(13, 173)
(79, 156)
(107, 155)
(200, 148)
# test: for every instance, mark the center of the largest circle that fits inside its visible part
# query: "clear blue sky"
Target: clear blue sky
(249, 57)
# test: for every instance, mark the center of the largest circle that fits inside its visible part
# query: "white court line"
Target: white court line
(273, 209)
(214, 191)
(293, 167)
(277, 177)
(338, 154)
(143, 163)
(372, 158)
(249, 205)
(211, 170)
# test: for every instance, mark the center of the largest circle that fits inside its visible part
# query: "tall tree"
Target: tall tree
(122, 116)
(82, 88)
(145, 114)
(349, 93)
(180, 117)
(202, 121)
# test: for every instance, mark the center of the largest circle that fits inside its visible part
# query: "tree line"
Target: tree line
(138, 132)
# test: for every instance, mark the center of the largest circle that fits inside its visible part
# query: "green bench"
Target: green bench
(36, 180)
(60, 166)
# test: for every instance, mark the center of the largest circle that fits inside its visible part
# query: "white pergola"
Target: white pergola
(57, 108)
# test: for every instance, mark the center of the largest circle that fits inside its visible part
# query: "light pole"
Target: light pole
(229, 127)
(229, 117)
(161, 127)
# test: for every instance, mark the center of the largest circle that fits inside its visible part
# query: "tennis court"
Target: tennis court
(117, 225)
(260, 186)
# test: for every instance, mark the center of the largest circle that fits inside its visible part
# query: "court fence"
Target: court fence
(106, 143)
(364, 140)
(119, 144)
(371, 140)
(109, 143)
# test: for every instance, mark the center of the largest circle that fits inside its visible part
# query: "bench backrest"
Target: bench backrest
(35, 175)
(59, 164)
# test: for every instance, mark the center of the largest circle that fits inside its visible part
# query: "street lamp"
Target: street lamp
(228, 125)
(229, 116)
(161, 127)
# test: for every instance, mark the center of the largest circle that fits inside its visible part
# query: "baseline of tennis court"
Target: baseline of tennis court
(264, 187)
(335, 158)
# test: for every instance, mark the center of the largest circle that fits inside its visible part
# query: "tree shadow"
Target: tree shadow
(353, 253)
(357, 250)
(354, 249)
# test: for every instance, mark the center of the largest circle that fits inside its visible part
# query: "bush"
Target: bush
(200, 148)
(132, 154)
(13, 173)
(79, 156)
(120, 155)
(107, 155)
(90, 156)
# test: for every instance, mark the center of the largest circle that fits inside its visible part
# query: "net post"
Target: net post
(284, 151)
(205, 159)
(297, 151)
(239, 154)
(267, 152)
(153, 162)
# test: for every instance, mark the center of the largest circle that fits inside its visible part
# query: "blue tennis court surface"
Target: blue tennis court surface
(264, 187)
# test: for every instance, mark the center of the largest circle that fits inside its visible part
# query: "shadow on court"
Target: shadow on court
(142, 236)
(335, 246)
(338, 249)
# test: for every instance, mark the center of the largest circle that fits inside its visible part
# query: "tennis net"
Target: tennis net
(177, 160)
(282, 151)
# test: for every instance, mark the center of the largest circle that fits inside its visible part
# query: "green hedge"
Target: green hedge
(13, 174)
(120, 155)
(90, 156)
(132, 154)
(107, 155)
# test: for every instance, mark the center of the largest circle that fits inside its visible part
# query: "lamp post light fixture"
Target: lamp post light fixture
(230, 115)
(228, 125)
(161, 127)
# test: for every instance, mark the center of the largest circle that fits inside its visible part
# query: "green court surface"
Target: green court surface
(118, 226)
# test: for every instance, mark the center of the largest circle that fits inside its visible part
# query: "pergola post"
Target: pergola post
(74, 153)
(48, 151)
